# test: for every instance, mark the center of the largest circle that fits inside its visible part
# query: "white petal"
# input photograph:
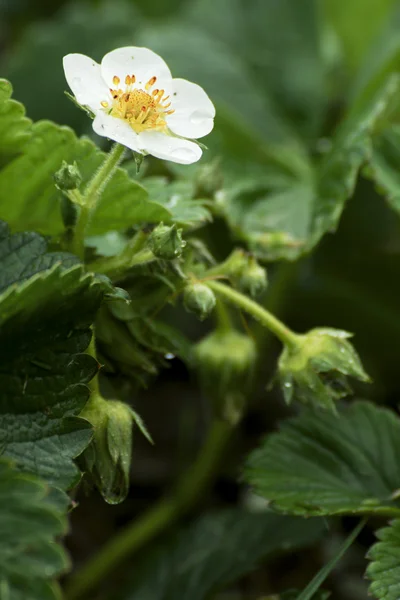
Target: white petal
(140, 62)
(115, 129)
(83, 76)
(166, 147)
(194, 112)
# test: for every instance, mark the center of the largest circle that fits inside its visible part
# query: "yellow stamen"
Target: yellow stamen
(151, 82)
(142, 109)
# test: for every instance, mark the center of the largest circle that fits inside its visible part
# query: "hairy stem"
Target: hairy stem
(89, 199)
(157, 518)
(100, 179)
(116, 267)
(286, 335)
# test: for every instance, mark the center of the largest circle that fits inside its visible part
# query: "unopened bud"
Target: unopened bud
(225, 362)
(253, 278)
(199, 299)
(68, 177)
(108, 457)
(244, 272)
(166, 242)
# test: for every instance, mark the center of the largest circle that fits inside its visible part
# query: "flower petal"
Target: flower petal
(194, 112)
(169, 148)
(141, 62)
(83, 76)
(115, 129)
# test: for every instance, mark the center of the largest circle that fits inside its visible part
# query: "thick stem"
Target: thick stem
(116, 267)
(187, 492)
(90, 197)
(100, 179)
(77, 245)
(266, 318)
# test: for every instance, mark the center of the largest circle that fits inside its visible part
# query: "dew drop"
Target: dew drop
(169, 356)
(197, 117)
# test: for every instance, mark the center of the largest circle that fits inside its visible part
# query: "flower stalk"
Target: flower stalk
(282, 332)
(88, 200)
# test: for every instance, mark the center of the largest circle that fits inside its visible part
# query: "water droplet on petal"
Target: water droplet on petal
(184, 154)
(197, 117)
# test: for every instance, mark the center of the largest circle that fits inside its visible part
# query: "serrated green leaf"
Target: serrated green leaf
(14, 126)
(177, 198)
(384, 569)
(29, 524)
(215, 550)
(337, 175)
(46, 308)
(321, 464)
(384, 164)
(284, 215)
(33, 202)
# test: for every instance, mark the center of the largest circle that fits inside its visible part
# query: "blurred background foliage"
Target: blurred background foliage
(283, 75)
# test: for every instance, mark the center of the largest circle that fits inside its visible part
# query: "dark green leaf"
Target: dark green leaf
(321, 464)
(46, 308)
(384, 569)
(215, 550)
(337, 175)
(29, 524)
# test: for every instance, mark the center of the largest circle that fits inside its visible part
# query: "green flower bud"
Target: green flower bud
(253, 279)
(316, 370)
(108, 457)
(225, 362)
(199, 299)
(208, 180)
(244, 272)
(68, 177)
(166, 242)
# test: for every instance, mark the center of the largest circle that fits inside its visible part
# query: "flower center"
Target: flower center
(143, 109)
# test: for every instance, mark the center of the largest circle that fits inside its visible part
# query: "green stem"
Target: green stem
(90, 197)
(188, 490)
(224, 322)
(100, 179)
(77, 245)
(115, 267)
(286, 335)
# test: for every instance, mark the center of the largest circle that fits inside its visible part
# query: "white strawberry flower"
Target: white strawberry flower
(137, 103)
